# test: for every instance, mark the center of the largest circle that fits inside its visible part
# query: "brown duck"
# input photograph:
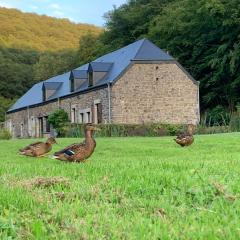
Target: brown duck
(38, 149)
(79, 152)
(186, 139)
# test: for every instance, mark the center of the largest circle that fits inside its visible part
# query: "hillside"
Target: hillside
(42, 33)
(36, 47)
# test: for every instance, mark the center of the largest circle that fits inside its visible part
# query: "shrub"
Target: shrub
(125, 130)
(234, 124)
(217, 116)
(59, 120)
(146, 130)
(212, 129)
(5, 134)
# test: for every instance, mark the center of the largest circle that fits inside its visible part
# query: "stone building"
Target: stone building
(138, 83)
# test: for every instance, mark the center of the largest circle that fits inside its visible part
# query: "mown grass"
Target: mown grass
(131, 188)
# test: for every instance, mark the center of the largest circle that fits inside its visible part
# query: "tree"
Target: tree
(204, 36)
(16, 71)
(5, 103)
(51, 64)
(90, 47)
(131, 21)
(59, 120)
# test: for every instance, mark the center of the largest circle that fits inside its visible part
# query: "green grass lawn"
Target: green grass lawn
(131, 188)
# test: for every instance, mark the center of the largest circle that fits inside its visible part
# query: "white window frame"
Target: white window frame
(85, 115)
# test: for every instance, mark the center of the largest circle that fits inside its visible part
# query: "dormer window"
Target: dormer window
(72, 84)
(49, 89)
(97, 71)
(90, 79)
(77, 78)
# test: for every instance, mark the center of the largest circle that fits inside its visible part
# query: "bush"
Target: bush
(234, 124)
(145, 130)
(217, 116)
(127, 130)
(212, 130)
(5, 134)
(59, 120)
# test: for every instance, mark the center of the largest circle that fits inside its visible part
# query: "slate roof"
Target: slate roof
(115, 63)
(100, 66)
(52, 85)
(79, 74)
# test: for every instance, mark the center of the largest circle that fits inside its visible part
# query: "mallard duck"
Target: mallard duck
(38, 149)
(186, 139)
(79, 152)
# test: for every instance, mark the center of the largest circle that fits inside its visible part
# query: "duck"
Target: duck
(79, 152)
(38, 149)
(186, 139)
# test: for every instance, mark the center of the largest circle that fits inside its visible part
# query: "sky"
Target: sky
(79, 11)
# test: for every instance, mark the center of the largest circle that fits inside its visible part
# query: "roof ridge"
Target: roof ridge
(143, 40)
(117, 49)
(154, 50)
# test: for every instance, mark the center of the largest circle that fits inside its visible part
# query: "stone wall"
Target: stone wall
(157, 92)
(29, 118)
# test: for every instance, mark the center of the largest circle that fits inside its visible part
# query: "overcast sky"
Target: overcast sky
(80, 11)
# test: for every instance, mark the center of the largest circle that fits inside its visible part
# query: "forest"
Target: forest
(203, 35)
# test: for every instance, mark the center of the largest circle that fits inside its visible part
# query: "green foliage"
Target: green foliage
(59, 120)
(90, 47)
(234, 124)
(51, 64)
(149, 130)
(5, 103)
(16, 71)
(127, 130)
(203, 129)
(131, 21)
(5, 134)
(217, 116)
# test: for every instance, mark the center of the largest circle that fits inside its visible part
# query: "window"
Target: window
(47, 125)
(81, 117)
(49, 88)
(44, 94)
(72, 85)
(90, 79)
(74, 120)
(88, 117)
(98, 113)
(85, 116)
